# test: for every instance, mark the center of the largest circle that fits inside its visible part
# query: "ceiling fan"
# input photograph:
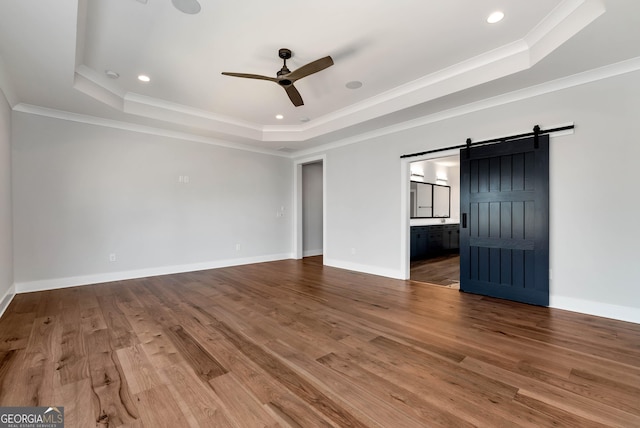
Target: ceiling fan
(287, 78)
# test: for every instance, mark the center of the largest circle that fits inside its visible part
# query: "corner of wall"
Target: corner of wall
(357, 267)
(7, 298)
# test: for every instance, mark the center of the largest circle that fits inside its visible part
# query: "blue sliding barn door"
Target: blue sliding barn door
(504, 206)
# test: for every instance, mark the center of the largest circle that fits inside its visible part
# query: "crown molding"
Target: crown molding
(555, 29)
(143, 129)
(602, 73)
(609, 71)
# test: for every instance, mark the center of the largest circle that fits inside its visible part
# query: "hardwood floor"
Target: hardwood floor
(443, 271)
(293, 343)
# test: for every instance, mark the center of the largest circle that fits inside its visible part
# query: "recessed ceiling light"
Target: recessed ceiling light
(190, 7)
(354, 84)
(111, 74)
(495, 17)
(144, 78)
(279, 116)
(304, 119)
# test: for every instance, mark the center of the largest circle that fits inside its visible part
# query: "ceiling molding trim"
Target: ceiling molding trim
(154, 108)
(624, 67)
(93, 84)
(143, 129)
(602, 73)
(483, 68)
(564, 22)
(86, 81)
(555, 29)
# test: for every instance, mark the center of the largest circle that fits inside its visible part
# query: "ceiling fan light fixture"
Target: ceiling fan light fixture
(495, 17)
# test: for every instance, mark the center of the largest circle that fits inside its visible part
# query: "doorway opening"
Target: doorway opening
(432, 219)
(312, 201)
(309, 234)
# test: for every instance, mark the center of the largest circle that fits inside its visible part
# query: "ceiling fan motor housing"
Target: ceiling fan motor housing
(284, 53)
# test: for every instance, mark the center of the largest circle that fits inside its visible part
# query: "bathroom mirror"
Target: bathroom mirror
(430, 200)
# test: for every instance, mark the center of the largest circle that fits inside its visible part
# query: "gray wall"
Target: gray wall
(84, 192)
(6, 229)
(594, 196)
(312, 209)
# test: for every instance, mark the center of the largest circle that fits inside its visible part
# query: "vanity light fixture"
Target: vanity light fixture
(495, 17)
(417, 173)
(144, 78)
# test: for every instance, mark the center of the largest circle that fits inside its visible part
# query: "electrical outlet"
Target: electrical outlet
(112, 257)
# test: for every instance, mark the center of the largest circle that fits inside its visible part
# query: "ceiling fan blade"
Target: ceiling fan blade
(251, 76)
(294, 95)
(312, 67)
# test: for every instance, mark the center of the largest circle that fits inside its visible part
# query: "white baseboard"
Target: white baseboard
(52, 284)
(589, 307)
(311, 253)
(373, 270)
(7, 298)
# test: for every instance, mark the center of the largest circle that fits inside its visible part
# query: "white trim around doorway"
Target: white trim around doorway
(405, 253)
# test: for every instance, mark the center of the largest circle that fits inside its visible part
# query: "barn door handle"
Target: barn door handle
(464, 220)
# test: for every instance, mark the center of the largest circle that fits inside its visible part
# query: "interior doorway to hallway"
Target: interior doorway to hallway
(310, 207)
(312, 202)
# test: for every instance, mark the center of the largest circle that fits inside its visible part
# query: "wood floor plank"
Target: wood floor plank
(201, 361)
(113, 401)
(78, 404)
(576, 404)
(137, 369)
(197, 399)
(295, 343)
(408, 401)
(159, 409)
(240, 404)
(15, 329)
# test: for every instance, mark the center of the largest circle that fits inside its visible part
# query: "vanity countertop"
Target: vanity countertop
(432, 221)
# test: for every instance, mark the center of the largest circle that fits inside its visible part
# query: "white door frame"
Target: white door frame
(298, 247)
(405, 223)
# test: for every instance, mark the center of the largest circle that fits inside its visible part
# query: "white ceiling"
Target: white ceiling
(413, 57)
